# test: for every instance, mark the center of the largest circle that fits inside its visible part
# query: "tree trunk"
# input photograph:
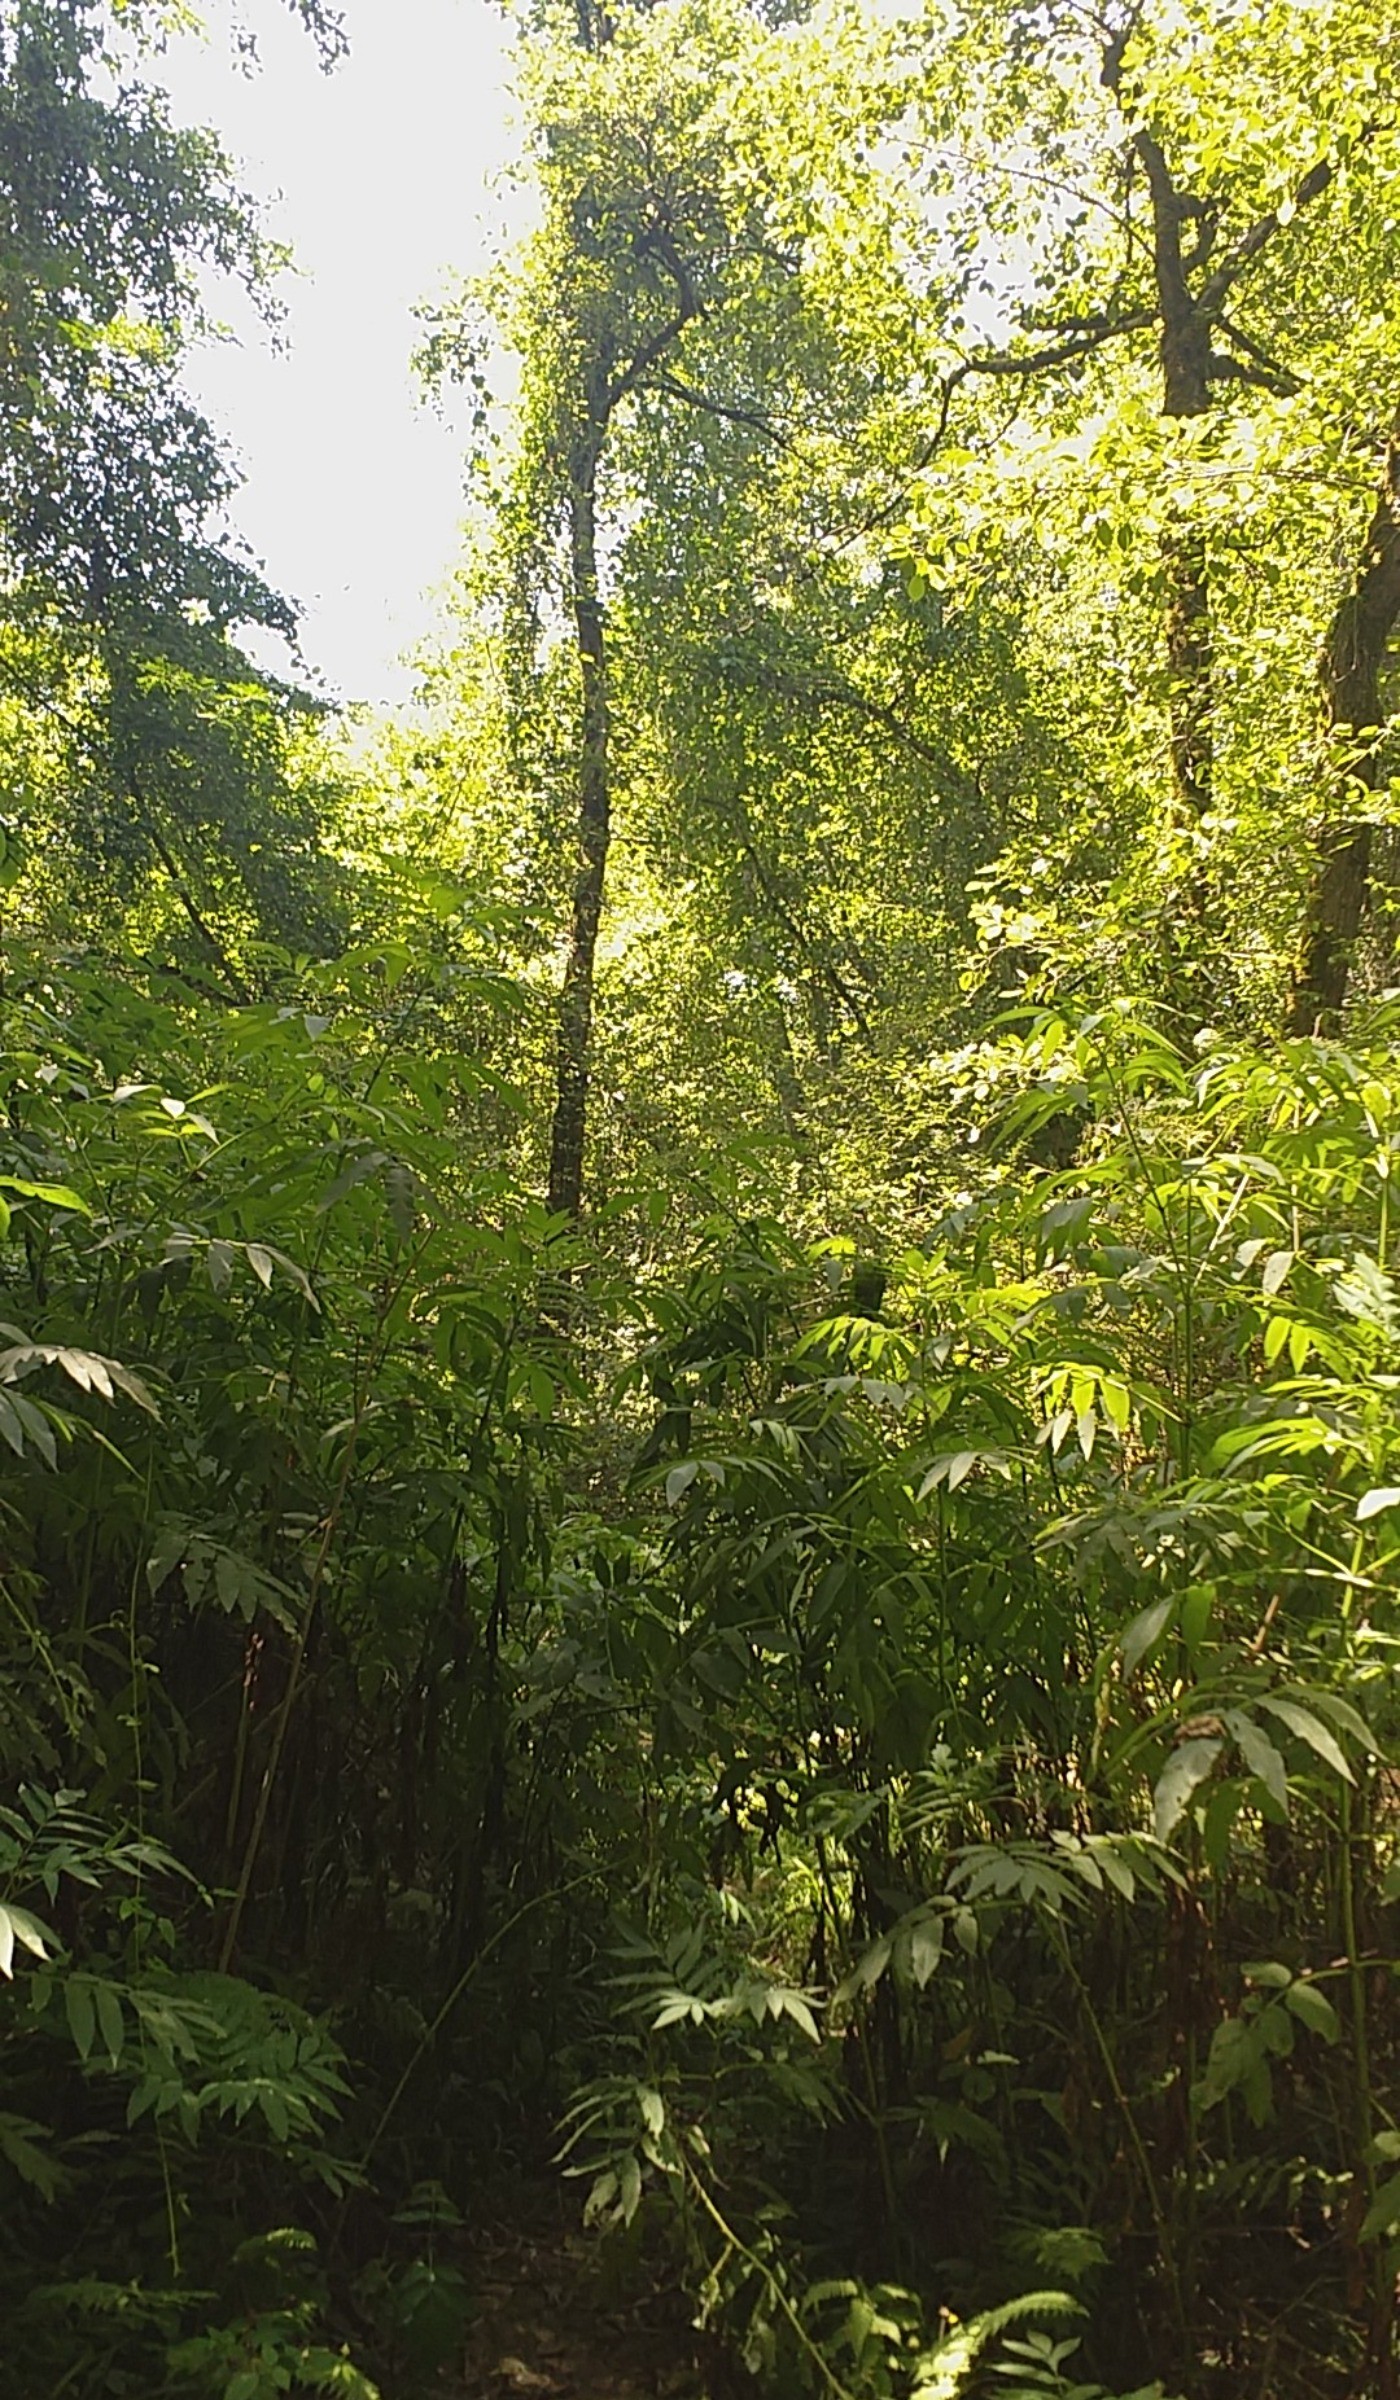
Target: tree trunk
(1185, 357)
(1352, 658)
(1185, 354)
(594, 823)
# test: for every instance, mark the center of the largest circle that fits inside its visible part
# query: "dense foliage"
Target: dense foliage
(698, 1381)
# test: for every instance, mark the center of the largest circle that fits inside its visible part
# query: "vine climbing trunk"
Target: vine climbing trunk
(575, 1030)
(1353, 657)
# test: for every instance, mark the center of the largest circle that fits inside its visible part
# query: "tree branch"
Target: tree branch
(721, 408)
(1080, 344)
(186, 899)
(1223, 368)
(658, 241)
(797, 933)
(1216, 290)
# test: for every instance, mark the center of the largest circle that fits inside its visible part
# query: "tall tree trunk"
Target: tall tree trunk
(1352, 658)
(1185, 355)
(575, 1034)
(1185, 358)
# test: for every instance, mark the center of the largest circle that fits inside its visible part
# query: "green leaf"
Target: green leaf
(1144, 1631)
(925, 1949)
(109, 2020)
(21, 2144)
(1271, 1973)
(54, 1195)
(274, 2109)
(1260, 1756)
(1196, 1604)
(1187, 1768)
(81, 2013)
(1383, 2215)
(1311, 1730)
(793, 2004)
(1313, 2008)
(1341, 1713)
(17, 1925)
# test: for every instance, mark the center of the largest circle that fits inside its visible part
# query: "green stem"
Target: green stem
(760, 2267)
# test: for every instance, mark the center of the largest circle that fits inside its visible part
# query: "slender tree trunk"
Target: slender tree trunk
(1185, 357)
(1352, 659)
(575, 1032)
(1185, 354)
(1189, 666)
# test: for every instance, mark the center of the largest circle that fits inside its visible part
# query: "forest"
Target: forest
(700, 1375)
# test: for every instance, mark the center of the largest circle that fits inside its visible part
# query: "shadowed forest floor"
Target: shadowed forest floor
(557, 2321)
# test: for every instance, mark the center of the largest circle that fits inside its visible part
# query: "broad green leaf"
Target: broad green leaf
(925, 1949)
(1341, 1713)
(1144, 1631)
(1260, 1756)
(680, 1479)
(1310, 1729)
(1187, 1768)
(81, 2012)
(54, 1195)
(1313, 2008)
(793, 2004)
(1196, 1605)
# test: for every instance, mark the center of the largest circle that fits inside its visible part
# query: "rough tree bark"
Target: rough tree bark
(1352, 659)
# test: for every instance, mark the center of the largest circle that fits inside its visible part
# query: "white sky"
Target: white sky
(384, 167)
